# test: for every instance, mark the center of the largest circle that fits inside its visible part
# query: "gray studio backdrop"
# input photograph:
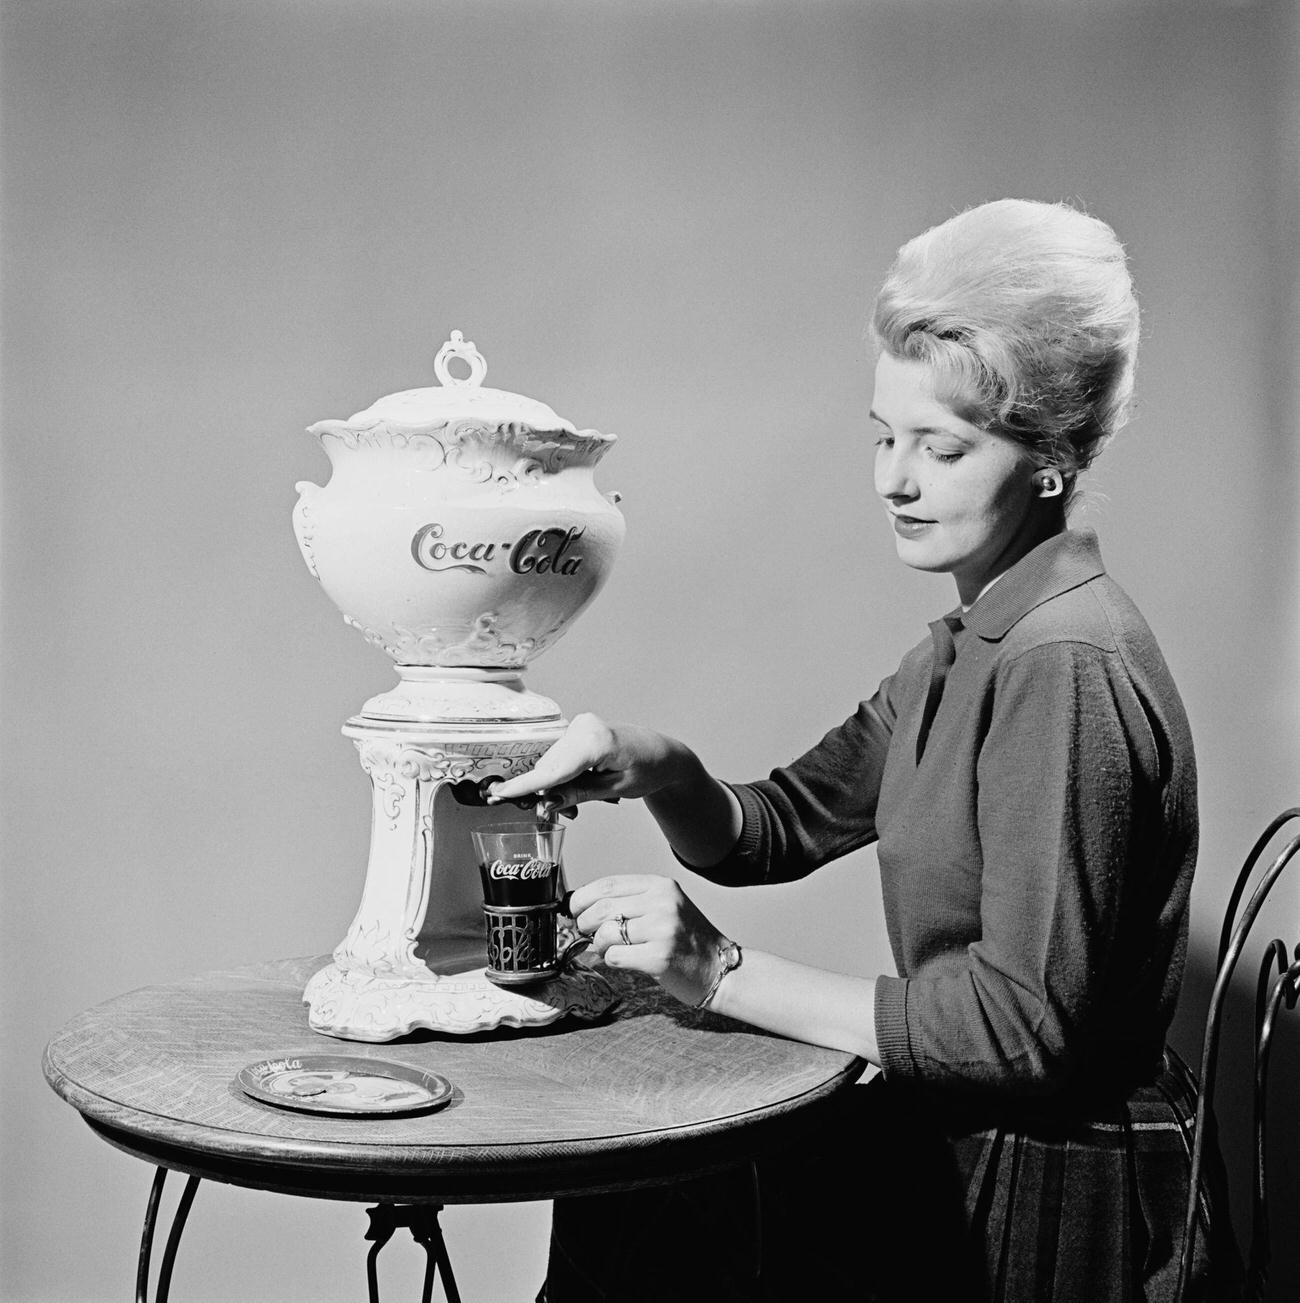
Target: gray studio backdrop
(224, 221)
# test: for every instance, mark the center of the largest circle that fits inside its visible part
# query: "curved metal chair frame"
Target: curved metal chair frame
(1279, 981)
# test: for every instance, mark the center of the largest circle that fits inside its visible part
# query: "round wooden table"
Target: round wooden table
(653, 1093)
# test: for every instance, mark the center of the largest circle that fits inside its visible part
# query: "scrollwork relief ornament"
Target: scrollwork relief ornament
(510, 455)
(428, 449)
(434, 766)
(373, 947)
(388, 761)
(379, 760)
(303, 525)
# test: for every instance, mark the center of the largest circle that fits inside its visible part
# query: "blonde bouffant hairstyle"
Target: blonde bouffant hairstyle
(1026, 313)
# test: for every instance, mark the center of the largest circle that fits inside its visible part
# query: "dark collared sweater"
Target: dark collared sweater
(1036, 841)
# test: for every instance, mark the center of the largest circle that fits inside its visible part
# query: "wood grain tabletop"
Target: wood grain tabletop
(654, 1092)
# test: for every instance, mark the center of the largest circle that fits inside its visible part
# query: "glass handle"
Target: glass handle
(571, 951)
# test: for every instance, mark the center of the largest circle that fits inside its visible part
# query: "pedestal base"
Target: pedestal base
(408, 960)
(361, 1006)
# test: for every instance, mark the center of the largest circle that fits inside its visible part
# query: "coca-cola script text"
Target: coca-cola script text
(538, 552)
(521, 870)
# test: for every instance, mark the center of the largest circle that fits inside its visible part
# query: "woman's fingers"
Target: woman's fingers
(631, 941)
(594, 761)
(576, 752)
(607, 896)
(637, 912)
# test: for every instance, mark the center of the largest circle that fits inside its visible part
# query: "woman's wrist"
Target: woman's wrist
(728, 957)
(801, 1002)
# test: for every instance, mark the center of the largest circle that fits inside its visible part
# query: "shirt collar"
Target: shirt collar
(1055, 566)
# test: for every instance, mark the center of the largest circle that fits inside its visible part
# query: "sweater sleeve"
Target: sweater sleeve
(1061, 772)
(816, 808)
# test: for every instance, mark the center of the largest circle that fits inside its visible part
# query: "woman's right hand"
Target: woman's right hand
(596, 761)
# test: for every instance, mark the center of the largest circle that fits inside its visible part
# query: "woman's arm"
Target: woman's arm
(699, 816)
(804, 1003)
(596, 761)
(647, 923)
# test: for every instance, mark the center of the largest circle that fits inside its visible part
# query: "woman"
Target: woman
(1028, 776)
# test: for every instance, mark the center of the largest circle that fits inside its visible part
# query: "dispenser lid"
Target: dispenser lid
(459, 397)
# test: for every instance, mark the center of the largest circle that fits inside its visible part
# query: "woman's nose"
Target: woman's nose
(894, 478)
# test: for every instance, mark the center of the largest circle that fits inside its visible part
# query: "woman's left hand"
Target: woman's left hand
(649, 924)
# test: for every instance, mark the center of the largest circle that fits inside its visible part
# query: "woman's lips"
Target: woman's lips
(910, 526)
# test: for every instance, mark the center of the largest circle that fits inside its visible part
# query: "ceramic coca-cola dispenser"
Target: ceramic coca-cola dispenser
(461, 531)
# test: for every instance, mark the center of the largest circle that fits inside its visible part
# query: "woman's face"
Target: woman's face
(961, 500)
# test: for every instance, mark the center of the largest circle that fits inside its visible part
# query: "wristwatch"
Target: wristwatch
(729, 959)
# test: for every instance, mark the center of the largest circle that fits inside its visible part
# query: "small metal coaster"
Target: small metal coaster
(343, 1084)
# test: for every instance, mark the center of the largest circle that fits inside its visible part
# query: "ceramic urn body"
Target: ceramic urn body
(461, 526)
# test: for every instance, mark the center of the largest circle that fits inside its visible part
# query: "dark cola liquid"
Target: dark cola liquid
(520, 880)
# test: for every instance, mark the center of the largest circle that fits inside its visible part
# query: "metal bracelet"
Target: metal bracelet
(730, 956)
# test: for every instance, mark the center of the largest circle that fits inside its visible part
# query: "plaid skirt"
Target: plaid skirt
(900, 1199)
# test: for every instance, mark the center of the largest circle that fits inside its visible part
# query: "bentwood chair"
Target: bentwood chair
(1278, 984)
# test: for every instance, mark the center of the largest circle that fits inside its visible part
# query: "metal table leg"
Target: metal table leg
(173, 1238)
(422, 1221)
(385, 1218)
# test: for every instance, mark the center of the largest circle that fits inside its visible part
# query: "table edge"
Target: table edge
(344, 1155)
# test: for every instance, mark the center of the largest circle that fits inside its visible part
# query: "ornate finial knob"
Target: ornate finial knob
(457, 347)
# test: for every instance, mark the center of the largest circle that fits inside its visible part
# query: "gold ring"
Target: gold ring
(621, 920)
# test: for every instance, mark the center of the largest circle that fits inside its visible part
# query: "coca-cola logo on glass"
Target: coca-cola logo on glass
(521, 870)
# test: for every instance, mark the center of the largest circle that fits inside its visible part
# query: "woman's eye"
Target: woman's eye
(884, 441)
(946, 458)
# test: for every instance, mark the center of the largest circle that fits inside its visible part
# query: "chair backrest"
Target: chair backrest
(1279, 983)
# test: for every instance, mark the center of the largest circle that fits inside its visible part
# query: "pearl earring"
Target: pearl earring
(1049, 484)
